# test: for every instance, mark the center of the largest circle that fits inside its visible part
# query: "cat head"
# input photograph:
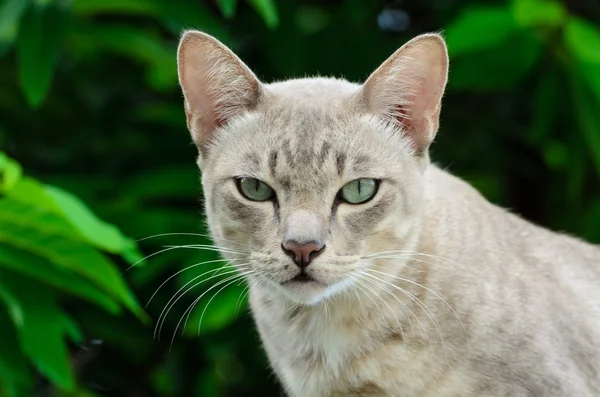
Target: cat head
(304, 179)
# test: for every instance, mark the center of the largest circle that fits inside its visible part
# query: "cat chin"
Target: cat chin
(312, 292)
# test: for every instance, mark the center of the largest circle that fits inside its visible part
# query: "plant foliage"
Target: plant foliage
(90, 108)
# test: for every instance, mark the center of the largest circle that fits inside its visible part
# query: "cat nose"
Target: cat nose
(302, 254)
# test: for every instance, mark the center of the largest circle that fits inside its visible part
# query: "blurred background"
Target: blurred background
(96, 164)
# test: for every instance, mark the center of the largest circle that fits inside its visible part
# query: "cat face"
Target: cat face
(304, 179)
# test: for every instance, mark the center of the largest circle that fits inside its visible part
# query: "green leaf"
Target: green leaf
(101, 234)
(583, 40)
(500, 67)
(267, 11)
(77, 393)
(28, 264)
(15, 375)
(465, 34)
(227, 7)
(10, 172)
(144, 47)
(43, 236)
(11, 12)
(66, 215)
(587, 116)
(41, 331)
(39, 45)
(539, 12)
(175, 15)
(545, 105)
(15, 212)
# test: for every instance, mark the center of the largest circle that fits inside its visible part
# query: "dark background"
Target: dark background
(89, 102)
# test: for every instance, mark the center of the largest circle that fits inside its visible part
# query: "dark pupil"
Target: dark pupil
(256, 185)
(359, 183)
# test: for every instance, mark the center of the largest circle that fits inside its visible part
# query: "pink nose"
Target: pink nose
(302, 254)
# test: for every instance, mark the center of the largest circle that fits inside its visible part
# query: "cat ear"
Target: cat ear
(406, 90)
(216, 84)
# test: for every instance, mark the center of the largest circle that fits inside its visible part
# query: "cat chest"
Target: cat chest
(329, 359)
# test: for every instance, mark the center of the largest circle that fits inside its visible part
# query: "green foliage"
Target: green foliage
(89, 104)
(41, 36)
(50, 244)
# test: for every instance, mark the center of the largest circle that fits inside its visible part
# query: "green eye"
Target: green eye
(255, 190)
(359, 191)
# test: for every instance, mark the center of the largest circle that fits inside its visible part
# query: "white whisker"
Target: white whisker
(430, 291)
(188, 311)
(240, 300)
(393, 314)
(176, 298)
(422, 305)
(170, 248)
(179, 272)
(197, 235)
(213, 297)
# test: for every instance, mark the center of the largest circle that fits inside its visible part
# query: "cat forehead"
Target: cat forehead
(318, 91)
(307, 129)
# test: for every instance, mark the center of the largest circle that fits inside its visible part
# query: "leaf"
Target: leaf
(583, 40)
(480, 28)
(70, 217)
(175, 15)
(42, 330)
(545, 106)
(227, 7)
(500, 67)
(38, 48)
(591, 221)
(14, 369)
(587, 117)
(15, 212)
(101, 234)
(124, 333)
(538, 12)
(46, 239)
(142, 46)
(11, 12)
(267, 11)
(77, 393)
(164, 182)
(10, 172)
(33, 266)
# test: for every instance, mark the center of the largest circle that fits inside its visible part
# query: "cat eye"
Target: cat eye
(254, 189)
(359, 191)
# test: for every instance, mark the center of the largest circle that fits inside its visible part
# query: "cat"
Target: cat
(372, 272)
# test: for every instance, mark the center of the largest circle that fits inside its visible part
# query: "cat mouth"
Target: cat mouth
(301, 278)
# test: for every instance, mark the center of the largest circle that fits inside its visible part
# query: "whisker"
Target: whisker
(372, 300)
(407, 310)
(197, 235)
(186, 314)
(238, 304)
(388, 254)
(170, 248)
(423, 307)
(430, 291)
(179, 272)
(393, 314)
(213, 297)
(176, 298)
(207, 247)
